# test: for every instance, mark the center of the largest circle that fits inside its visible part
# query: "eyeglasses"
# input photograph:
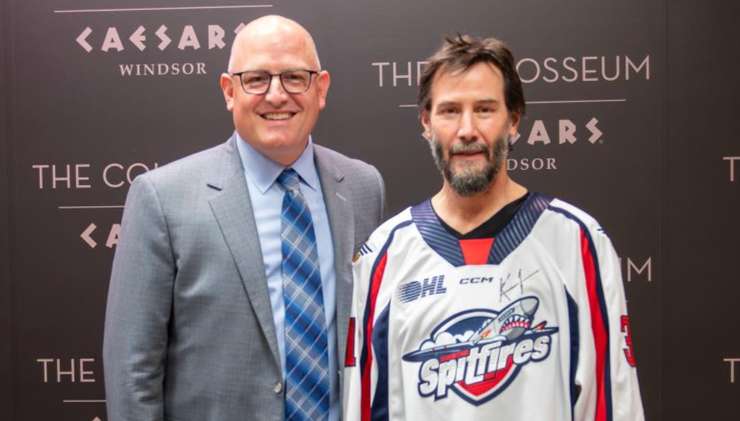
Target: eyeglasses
(257, 82)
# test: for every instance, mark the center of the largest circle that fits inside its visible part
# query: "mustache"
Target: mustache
(465, 148)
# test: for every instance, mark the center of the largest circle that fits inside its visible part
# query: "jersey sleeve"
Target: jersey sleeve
(359, 364)
(607, 377)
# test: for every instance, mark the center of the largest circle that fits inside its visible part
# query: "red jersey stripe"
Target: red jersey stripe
(349, 355)
(376, 280)
(598, 326)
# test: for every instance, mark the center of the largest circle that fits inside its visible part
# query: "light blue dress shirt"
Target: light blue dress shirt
(266, 195)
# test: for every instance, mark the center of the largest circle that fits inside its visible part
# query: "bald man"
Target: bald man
(231, 284)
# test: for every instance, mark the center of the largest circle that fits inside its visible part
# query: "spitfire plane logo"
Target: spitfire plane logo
(478, 353)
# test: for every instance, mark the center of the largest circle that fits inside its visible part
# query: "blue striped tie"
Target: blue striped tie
(307, 381)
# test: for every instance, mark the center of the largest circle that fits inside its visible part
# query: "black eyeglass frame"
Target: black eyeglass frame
(311, 74)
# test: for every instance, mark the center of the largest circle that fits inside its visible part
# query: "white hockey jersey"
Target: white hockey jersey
(530, 325)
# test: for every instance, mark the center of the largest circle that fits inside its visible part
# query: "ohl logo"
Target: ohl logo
(478, 353)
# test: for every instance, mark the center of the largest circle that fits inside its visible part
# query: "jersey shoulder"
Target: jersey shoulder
(387, 228)
(573, 215)
(563, 218)
(380, 237)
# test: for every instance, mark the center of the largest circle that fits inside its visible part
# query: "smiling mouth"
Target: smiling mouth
(277, 116)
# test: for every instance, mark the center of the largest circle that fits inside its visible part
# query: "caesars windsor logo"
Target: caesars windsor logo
(157, 40)
(478, 353)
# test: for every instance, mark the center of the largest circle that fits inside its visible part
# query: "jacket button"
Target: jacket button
(278, 387)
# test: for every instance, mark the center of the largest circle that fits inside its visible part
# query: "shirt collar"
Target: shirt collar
(263, 171)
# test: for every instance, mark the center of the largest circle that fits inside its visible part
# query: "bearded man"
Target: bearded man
(487, 301)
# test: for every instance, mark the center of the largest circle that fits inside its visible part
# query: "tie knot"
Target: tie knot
(289, 179)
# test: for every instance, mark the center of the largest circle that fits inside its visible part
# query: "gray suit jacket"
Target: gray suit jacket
(189, 333)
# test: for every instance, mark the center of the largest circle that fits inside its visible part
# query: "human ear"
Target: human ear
(226, 81)
(323, 80)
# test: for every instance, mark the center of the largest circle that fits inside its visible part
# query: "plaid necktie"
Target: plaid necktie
(307, 383)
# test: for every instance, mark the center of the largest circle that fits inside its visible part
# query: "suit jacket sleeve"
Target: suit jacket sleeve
(138, 309)
(381, 187)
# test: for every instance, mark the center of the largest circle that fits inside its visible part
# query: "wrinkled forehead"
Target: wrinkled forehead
(458, 71)
(482, 78)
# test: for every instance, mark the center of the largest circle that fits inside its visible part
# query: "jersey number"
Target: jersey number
(629, 354)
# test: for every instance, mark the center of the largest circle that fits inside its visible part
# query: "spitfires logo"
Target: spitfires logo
(478, 353)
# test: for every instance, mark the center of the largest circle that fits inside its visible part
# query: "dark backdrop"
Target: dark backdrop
(701, 213)
(630, 116)
(6, 376)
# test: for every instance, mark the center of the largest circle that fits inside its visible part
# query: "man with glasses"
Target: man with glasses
(231, 284)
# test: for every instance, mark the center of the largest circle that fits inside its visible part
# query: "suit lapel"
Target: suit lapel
(232, 209)
(341, 221)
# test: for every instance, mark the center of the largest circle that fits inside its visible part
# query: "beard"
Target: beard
(470, 179)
